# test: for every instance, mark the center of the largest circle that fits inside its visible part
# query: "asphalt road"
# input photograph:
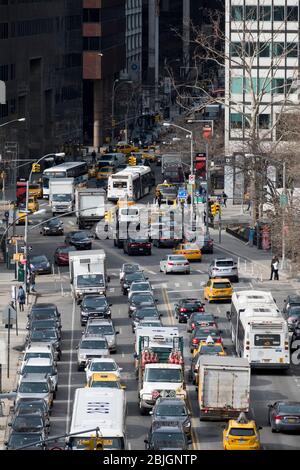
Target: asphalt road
(265, 387)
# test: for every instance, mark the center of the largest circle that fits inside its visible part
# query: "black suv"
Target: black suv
(53, 227)
(172, 410)
(185, 307)
(137, 247)
(81, 239)
(128, 279)
(166, 435)
(94, 306)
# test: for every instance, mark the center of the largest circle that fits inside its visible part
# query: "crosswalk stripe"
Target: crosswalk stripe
(70, 222)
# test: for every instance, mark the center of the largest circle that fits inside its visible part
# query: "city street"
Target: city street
(265, 387)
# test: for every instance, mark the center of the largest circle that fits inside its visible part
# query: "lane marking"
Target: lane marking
(181, 290)
(201, 272)
(70, 366)
(151, 272)
(129, 445)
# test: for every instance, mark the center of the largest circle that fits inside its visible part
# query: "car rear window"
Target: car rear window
(221, 285)
(224, 263)
(241, 432)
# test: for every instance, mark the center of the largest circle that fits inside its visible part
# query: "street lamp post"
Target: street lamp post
(26, 210)
(207, 167)
(115, 86)
(13, 120)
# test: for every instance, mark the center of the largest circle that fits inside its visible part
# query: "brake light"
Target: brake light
(195, 341)
(183, 309)
(148, 245)
(286, 345)
(201, 309)
(218, 340)
(279, 418)
(193, 325)
(132, 244)
(170, 263)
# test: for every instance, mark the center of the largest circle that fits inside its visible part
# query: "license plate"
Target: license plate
(241, 441)
(141, 249)
(292, 420)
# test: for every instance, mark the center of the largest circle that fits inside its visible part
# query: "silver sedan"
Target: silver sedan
(174, 264)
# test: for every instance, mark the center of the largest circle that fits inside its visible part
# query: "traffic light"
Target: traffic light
(36, 168)
(132, 161)
(94, 443)
(215, 208)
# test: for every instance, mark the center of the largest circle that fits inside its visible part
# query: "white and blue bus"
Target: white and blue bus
(76, 170)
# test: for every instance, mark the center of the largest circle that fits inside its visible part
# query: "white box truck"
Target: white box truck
(223, 387)
(61, 195)
(88, 273)
(90, 206)
(169, 158)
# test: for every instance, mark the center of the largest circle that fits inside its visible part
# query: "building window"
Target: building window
(264, 49)
(3, 30)
(251, 13)
(264, 121)
(91, 15)
(278, 85)
(292, 49)
(4, 73)
(292, 13)
(278, 13)
(278, 48)
(12, 71)
(92, 43)
(235, 49)
(237, 85)
(265, 13)
(237, 13)
(3, 110)
(12, 106)
(236, 121)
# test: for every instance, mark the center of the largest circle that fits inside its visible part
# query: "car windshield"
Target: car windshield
(43, 310)
(221, 285)
(103, 366)
(131, 268)
(93, 344)
(43, 355)
(43, 315)
(198, 317)
(33, 387)
(242, 432)
(226, 264)
(204, 333)
(138, 240)
(167, 440)
(54, 223)
(171, 410)
(192, 304)
(61, 197)
(147, 313)
(143, 286)
(49, 323)
(106, 169)
(163, 375)
(27, 423)
(191, 246)
(30, 407)
(43, 334)
(80, 235)
(135, 277)
(294, 311)
(139, 298)
(39, 259)
(38, 369)
(105, 383)
(177, 258)
(94, 302)
(66, 249)
(22, 439)
(213, 349)
(90, 280)
(289, 408)
(100, 330)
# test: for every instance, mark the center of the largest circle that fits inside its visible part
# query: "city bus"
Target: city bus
(258, 330)
(76, 170)
(133, 182)
(104, 408)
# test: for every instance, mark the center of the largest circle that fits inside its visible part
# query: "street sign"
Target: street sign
(283, 200)
(182, 194)
(191, 179)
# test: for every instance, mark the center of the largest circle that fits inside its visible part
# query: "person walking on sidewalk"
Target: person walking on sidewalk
(21, 298)
(32, 281)
(247, 201)
(225, 197)
(274, 268)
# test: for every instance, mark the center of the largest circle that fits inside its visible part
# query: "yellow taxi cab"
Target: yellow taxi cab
(146, 155)
(92, 171)
(210, 347)
(218, 289)
(126, 148)
(190, 250)
(35, 190)
(105, 172)
(21, 216)
(241, 434)
(161, 186)
(107, 380)
(33, 204)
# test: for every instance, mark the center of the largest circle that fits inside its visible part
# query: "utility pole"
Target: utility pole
(283, 216)
(186, 14)
(157, 12)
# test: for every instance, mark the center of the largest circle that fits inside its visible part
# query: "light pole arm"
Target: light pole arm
(10, 122)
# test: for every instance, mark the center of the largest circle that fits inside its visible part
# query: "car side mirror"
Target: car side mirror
(259, 428)
(117, 332)
(120, 369)
(77, 347)
(110, 305)
(123, 387)
(161, 314)
(147, 278)
(146, 441)
(9, 424)
(156, 300)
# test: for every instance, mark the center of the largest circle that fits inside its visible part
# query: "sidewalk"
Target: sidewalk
(234, 214)
(8, 383)
(250, 260)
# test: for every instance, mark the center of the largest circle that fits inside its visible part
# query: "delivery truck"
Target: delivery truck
(90, 206)
(223, 387)
(61, 195)
(170, 158)
(88, 274)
